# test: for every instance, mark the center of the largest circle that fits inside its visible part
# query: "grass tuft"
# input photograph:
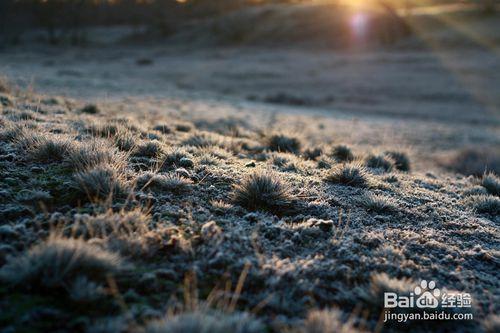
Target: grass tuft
(159, 183)
(342, 154)
(474, 161)
(87, 155)
(263, 191)
(383, 162)
(58, 261)
(201, 140)
(401, 160)
(283, 143)
(176, 157)
(44, 148)
(91, 109)
(163, 128)
(491, 183)
(485, 204)
(100, 183)
(379, 203)
(151, 149)
(326, 321)
(352, 174)
(5, 85)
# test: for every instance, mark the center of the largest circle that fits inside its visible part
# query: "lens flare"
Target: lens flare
(359, 25)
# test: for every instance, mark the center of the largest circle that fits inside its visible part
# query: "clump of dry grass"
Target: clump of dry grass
(89, 154)
(132, 233)
(379, 203)
(491, 183)
(474, 161)
(44, 148)
(110, 223)
(201, 140)
(380, 283)
(352, 174)
(312, 153)
(5, 85)
(401, 160)
(176, 157)
(327, 321)
(383, 162)
(11, 132)
(263, 191)
(283, 143)
(213, 322)
(151, 149)
(100, 183)
(183, 127)
(342, 153)
(485, 204)
(163, 128)
(125, 140)
(58, 261)
(85, 291)
(159, 183)
(91, 109)
(106, 130)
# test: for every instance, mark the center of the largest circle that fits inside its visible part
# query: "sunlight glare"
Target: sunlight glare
(359, 24)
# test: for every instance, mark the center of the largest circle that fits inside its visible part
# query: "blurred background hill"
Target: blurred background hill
(329, 23)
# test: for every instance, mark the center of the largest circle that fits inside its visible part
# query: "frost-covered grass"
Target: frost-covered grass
(138, 221)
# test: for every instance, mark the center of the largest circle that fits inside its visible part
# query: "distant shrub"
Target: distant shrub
(378, 203)
(151, 149)
(102, 182)
(283, 143)
(485, 204)
(491, 183)
(263, 191)
(214, 322)
(327, 321)
(401, 160)
(58, 261)
(351, 174)
(90, 109)
(168, 183)
(383, 162)
(474, 161)
(342, 154)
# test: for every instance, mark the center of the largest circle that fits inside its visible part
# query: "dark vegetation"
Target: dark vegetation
(65, 21)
